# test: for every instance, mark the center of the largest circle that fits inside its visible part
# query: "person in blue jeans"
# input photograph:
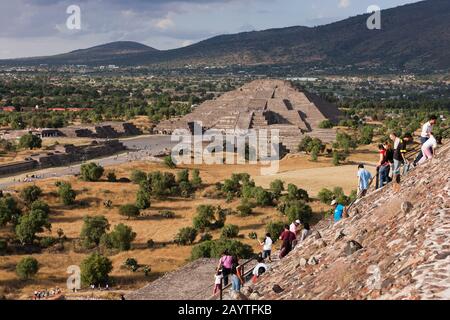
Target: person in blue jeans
(383, 167)
(236, 279)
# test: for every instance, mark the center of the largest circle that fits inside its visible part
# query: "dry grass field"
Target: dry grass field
(297, 169)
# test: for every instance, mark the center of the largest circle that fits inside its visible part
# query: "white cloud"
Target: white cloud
(165, 23)
(344, 3)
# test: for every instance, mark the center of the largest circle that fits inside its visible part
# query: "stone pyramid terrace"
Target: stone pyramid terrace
(263, 104)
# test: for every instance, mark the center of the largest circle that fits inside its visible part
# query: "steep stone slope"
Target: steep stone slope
(405, 243)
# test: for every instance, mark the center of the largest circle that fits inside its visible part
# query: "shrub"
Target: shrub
(167, 214)
(275, 228)
(277, 187)
(150, 244)
(204, 218)
(336, 158)
(93, 229)
(143, 199)
(3, 246)
(91, 172)
(30, 194)
(168, 161)
(294, 193)
(138, 176)
(263, 198)
(131, 264)
(186, 189)
(95, 270)
(185, 236)
(183, 176)
(245, 208)
(111, 176)
(40, 205)
(9, 212)
(196, 179)
(325, 196)
(230, 231)
(298, 210)
(253, 235)
(30, 141)
(47, 242)
(215, 248)
(344, 142)
(120, 238)
(30, 224)
(66, 193)
(129, 211)
(366, 134)
(326, 124)
(27, 268)
(205, 237)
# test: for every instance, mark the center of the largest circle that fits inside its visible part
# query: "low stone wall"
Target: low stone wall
(17, 167)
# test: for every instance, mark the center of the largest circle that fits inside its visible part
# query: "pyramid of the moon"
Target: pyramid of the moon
(263, 104)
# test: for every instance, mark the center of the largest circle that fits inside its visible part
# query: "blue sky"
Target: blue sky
(38, 27)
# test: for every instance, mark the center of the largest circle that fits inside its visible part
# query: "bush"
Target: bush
(138, 176)
(40, 205)
(185, 236)
(215, 248)
(9, 212)
(275, 228)
(326, 124)
(30, 141)
(150, 244)
(3, 246)
(143, 199)
(277, 187)
(263, 198)
(196, 181)
(95, 270)
(204, 218)
(47, 242)
(298, 210)
(93, 229)
(186, 189)
(168, 161)
(120, 238)
(131, 264)
(66, 193)
(167, 214)
(27, 268)
(253, 235)
(30, 194)
(91, 172)
(325, 196)
(129, 211)
(308, 144)
(183, 176)
(30, 224)
(366, 134)
(344, 142)
(294, 193)
(111, 176)
(245, 208)
(205, 237)
(229, 231)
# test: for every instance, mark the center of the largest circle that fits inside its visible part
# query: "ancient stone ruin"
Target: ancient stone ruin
(263, 104)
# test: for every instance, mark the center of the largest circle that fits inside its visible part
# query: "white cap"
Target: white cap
(333, 202)
(297, 221)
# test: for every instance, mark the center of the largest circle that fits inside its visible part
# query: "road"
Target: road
(140, 148)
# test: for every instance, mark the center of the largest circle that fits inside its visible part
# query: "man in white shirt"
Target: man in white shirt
(427, 130)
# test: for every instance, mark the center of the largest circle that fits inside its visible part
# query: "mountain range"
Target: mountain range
(412, 37)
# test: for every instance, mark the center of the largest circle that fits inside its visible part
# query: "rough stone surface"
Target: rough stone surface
(406, 252)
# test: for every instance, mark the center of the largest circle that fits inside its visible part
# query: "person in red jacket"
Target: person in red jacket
(287, 237)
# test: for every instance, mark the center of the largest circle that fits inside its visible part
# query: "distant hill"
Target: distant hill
(413, 36)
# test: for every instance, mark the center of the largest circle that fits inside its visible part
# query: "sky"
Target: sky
(38, 27)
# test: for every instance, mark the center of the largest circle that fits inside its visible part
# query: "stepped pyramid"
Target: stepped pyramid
(394, 245)
(263, 104)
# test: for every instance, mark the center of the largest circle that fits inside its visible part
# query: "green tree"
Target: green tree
(245, 208)
(230, 231)
(66, 193)
(275, 228)
(326, 124)
(9, 212)
(111, 176)
(30, 141)
(215, 248)
(277, 187)
(94, 227)
(40, 205)
(91, 172)
(168, 161)
(185, 236)
(143, 199)
(129, 211)
(183, 176)
(325, 196)
(30, 224)
(196, 181)
(138, 176)
(30, 194)
(95, 270)
(204, 218)
(120, 238)
(27, 268)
